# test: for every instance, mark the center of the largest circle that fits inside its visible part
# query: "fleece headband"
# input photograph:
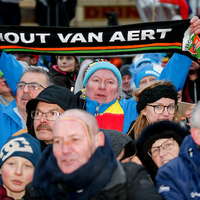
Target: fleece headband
(101, 64)
(154, 94)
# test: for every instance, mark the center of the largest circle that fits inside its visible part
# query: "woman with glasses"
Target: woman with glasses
(155, 102)
(159, 143)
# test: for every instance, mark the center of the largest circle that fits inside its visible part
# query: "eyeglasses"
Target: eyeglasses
(159, 109)
(167, 145)
(31, 86)
(50, 116)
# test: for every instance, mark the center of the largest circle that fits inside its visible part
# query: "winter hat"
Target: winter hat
(120, 141)
(23, 145)
(148, 69)
(124, 70)
(156, 131)
(101, 64)
(54, 94)
(1, 73)
(141, 59)
(154, 94)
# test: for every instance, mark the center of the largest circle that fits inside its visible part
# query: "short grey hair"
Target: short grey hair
(42, 70)
(194, 121)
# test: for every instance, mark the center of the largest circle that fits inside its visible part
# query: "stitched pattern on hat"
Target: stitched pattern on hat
(17, 144)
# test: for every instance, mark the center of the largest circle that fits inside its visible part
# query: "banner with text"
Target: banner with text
(96, 41)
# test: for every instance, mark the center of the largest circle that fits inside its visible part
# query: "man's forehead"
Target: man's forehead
(30, 77)
(106, 72)
(74, 124)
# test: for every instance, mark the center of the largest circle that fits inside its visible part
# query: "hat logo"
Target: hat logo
(14, 145)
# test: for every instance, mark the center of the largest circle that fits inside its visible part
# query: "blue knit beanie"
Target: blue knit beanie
(23, 145)
(101, 64)
(145, 70)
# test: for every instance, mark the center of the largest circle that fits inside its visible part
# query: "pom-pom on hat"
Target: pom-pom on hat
(23, 145)
(101, 64)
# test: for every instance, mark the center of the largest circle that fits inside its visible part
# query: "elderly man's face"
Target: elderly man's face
(25, 94)
(72, 146)
(102, 86)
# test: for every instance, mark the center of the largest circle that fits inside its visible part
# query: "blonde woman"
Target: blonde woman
(156, 101)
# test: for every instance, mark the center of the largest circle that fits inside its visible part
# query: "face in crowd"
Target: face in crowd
(44, 117)
(29, 59)
(66, 63)
(163, 150)
(75, 138)
(29, 86)
(16, 173)
(146, 80)
(4, 88)
(126, 82)
(162, 109)
(102, 86)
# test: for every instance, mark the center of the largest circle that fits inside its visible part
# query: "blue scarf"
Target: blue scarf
(84, 183)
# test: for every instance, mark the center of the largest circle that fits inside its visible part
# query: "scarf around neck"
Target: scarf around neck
(51, 183)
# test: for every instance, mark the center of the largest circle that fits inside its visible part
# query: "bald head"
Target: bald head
(76, 136)
(87, 118)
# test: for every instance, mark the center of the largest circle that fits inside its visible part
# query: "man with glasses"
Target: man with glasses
(44, 110)
(180, 178)
(13, 117)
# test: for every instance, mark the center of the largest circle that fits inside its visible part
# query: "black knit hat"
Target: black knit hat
(120, 141)
(154, 94)
(124, 70)
(156, 131)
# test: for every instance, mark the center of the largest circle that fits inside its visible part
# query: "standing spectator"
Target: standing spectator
(65, 73)
(44, 109)
(155, 102)
(126, 81)
(191, 89)
(6, 95)
(19, 156)
(81, 164)
(180, 178)
(159, 143)
(30, 59)
(13, 117)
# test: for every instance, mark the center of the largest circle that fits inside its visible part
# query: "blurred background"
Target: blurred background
(95, 13)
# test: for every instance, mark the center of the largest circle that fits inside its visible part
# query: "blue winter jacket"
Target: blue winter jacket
(10, 122)
(180, 178)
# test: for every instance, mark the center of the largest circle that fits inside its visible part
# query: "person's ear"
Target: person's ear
(100, 138)
(144, 112)
(195, 133)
